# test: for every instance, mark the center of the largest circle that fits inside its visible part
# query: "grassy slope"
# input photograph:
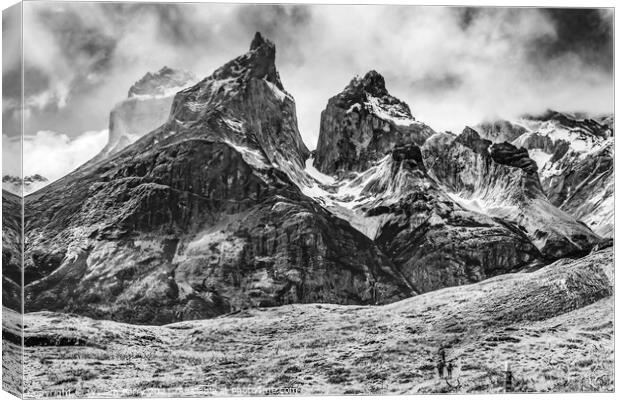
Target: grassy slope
(555, 326)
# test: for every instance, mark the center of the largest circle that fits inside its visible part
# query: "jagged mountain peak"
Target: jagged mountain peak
(362, 124)
(370, 89)
(372, 82)
(258, 41)
(247, 96)
(472, 139)
(259, 62)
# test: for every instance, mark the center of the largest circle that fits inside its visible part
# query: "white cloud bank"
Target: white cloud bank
(452, 69)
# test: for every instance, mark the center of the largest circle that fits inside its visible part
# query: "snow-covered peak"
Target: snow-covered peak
(369, 93)
(259, 63)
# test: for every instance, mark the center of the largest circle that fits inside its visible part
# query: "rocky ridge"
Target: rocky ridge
(501, 180)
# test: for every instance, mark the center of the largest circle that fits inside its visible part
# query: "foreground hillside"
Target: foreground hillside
(555, 327)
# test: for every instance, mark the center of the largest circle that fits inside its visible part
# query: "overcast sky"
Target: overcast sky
(453, 66)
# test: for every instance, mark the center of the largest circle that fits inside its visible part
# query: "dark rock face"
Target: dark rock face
(362, 124)
(536, 140)
(503, 181)
(507, 154)
(196, 232)
(11, 251)
(433, 241)
(196, 219)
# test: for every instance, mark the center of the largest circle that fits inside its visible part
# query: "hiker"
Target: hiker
(449, 368)
(373, 291)
(440, 366)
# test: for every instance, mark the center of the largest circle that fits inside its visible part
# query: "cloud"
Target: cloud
(50, 154)
(453, 66)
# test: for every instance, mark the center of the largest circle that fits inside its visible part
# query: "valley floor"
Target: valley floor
(554, 326)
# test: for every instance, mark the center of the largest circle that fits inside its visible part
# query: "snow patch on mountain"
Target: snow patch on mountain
(251, 156)
(345, 197)
(280, 94)
(394, 113)
(540, 157)
(318, 175)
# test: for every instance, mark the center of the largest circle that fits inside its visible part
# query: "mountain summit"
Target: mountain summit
(362, 124)
(259, 63)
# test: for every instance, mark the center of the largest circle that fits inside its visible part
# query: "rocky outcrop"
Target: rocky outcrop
(362, 124)
(501, 181)
(200, 217)
(147, 107)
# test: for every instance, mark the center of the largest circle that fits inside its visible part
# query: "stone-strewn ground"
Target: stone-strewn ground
(555, 327)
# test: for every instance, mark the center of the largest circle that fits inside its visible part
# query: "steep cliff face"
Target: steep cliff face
(200, 217)
(574, 155)
(362, 124)
(147, 107)
(501, 181)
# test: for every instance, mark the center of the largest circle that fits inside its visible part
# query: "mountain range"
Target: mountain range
(206, 201)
